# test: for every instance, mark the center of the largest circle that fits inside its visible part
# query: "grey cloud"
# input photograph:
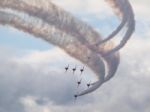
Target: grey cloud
(128, 91)
(21, 80)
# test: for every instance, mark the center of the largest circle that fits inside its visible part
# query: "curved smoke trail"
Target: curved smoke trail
(120, 7)
(55, 16)
(124, 9)
(47, 32)
(60, 28)
(130, 29)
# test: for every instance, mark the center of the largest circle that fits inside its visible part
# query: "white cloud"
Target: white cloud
(43, 57)
(97, 7)
(51, 91)
(36, 82)
(88, 7)
(141, 8)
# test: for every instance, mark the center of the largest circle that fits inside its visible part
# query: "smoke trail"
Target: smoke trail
(70, 45)
(111, 63)
(39, 30)
(91, 89)
(61, 29)
(128, 13)
(130, 29)
(116, 6)
(54, 16)
(122, 11)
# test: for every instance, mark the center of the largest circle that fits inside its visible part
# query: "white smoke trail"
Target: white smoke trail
(112, 61)
(122, 11)
(91, 89)
(38, 31)
(56, 37)
(130, 29)
(54, 16)
(75, 26)
(61, 29)
(125, 10)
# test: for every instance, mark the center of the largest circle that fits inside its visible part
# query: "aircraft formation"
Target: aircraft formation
(74, 70)
(74, 36)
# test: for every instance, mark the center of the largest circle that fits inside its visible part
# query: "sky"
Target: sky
(32, 77)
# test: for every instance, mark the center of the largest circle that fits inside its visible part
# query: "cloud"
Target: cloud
(88, 6)
(36, 82)
(26, 86)
(26, 75)
(141, 8)
(97, 8)
(18, 81)
(100, 14)
(84, 9)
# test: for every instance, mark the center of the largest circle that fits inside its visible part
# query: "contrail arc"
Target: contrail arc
(75, 37)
